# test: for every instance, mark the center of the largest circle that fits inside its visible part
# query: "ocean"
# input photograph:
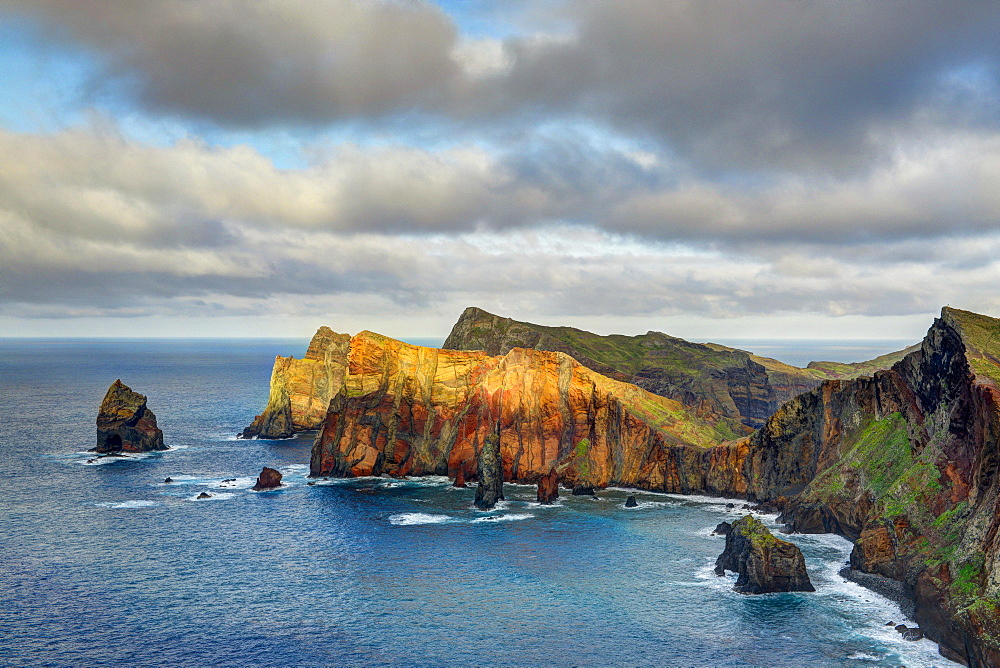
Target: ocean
(102, 563)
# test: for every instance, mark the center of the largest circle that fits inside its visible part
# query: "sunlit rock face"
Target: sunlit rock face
(408, 410)
(738, 389)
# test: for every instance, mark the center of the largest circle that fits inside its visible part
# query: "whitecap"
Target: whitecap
(864, 656)
(129, 505)
(409, 519)
(512, 517)
(213, 496)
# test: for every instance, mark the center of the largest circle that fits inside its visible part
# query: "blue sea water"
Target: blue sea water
(104, 564)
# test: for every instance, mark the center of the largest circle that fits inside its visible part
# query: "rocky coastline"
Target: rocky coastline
(903, 462)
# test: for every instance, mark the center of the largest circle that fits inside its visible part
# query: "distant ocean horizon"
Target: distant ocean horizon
(797, 352)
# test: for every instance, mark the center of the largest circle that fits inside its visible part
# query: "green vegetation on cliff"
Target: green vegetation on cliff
(735, 389)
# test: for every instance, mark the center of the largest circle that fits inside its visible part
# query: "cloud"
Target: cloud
(251, 63)
(768, 85)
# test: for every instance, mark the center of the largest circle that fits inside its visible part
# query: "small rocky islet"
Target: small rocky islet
(899, 454)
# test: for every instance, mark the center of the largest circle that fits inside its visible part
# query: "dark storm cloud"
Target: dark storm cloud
(266, 61)
(767, 84)
(759, 83)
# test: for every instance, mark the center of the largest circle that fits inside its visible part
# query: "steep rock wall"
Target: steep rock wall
(406, 410)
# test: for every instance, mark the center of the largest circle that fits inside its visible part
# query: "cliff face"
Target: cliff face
(301, 389)
(904, 462)
(408, 410)
(737, 388)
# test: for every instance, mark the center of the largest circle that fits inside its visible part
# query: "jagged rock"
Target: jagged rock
(548, 487)
(490, 487)
(765, 564)
(460, 479)
(204, 495)
(125, 423)
(301, 389)
(723, 529)
(630, 502)
(584, 490)
(268, 479)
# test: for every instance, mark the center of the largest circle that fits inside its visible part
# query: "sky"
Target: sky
(712, 169)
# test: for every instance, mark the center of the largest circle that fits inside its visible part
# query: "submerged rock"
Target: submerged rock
(168, 480)
(204, 495)
(490, 487)
(268, 479)
(548, 487)
(630, 502)
(765, 564)
(124, 423)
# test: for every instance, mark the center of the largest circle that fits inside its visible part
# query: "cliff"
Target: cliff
(301, 389)
(739, 389)
(408, 410)
(125, 423)
(903, 462)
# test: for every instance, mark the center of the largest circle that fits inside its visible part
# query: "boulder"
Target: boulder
(268, 479)
(204, 495)
(548, 487)
(765, 564)
(630, 502)
(125, 424)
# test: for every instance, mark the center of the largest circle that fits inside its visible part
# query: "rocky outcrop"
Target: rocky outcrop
(548, 487)
(268, 479)
(904, 463)
(125, 423)
(408, 410)
(765, 564)
(301, 389)
(490, 470)
(736, 387)
(630, 502)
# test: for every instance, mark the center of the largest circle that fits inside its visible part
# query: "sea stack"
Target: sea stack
(125, 424)
(765, 564)
(268, 479)
(548, 487)
(490, 487)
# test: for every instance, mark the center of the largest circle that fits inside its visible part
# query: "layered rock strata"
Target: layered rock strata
(737, 387)
(125, 423)
(765, 564)
(408, 410)
(301, 389)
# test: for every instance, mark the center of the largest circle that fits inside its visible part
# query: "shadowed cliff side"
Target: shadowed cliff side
(738, 388)
(905, 463)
